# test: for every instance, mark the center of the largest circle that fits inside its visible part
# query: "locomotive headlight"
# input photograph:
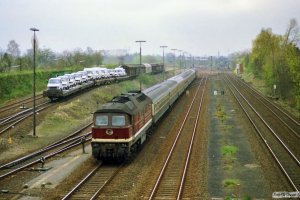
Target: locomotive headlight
(109, 131)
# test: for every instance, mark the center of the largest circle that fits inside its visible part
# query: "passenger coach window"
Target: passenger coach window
(118, 120)
(101, 120)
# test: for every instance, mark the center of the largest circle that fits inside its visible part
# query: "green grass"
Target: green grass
(18, 85)
(228, 150)
(237, 198)
(220, 113)
(74, 114)
(228, 157)
(230, 183)
(257, 83)
(79, 112)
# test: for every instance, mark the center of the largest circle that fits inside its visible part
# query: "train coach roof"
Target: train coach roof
(130, 103)
(176, 79)
(180, 77)
(156, 91)
(187, 73)
(170, 83)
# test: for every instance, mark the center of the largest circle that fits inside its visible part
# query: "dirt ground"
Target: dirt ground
(237, 165)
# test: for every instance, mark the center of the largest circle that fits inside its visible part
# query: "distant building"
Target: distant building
(239, 68)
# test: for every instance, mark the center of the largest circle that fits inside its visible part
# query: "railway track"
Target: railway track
(287, 119)
(92, 184)
(171, 179)
(45, 153)
(284, 156)
(19, 103)
(11, 121)
(99, 178)
(284, 128)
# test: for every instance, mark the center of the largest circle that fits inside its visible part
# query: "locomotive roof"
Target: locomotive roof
(130, 103)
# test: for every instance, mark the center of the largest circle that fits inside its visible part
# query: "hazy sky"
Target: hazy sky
(200, 27)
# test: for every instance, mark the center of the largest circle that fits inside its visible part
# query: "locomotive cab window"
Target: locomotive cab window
(118, 120)
(101, 120)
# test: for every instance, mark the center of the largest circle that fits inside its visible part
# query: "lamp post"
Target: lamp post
(34, 47)
(180, 58)
(163, 47)
(183, 59)
(211, 63)
(193, 65)
(174, 58)
(140, 41)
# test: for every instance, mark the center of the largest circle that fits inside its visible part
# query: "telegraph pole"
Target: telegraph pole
(34, 47)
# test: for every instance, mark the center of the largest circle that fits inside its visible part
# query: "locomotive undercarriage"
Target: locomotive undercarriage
(110, 151)
(114, 151)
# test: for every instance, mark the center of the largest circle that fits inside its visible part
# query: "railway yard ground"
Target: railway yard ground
(228, 159)
(237, 163)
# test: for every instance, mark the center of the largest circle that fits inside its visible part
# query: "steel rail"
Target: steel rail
(85, 179)
(5, 119)
(264, 140)
(288, 126)
(88, 178)
(268, 126)
(154, 189)
(190, 147)
(15, 104)
(23, 118)
(12, 117)
(106, 182)
(67, 147)
(60, 142)
(276, 106)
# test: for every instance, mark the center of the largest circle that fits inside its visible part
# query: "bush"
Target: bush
(17, 85)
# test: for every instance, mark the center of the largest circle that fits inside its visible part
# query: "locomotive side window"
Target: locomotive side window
(118, 120)
(101, 120)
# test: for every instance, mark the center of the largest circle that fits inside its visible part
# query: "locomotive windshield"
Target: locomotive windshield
(118, 120)
(109, 119)
(101, 120)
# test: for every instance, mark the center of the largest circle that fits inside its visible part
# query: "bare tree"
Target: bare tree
(13, 49)
(67, 57)
(98, 57)
(292, 34)
(89, 51)
(6, 62)
(78, 56)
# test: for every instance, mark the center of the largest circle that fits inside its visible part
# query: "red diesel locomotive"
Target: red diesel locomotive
(121, 125)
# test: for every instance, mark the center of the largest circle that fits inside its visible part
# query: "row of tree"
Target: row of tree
(276, 60)
(12, 60)
(46, 58)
